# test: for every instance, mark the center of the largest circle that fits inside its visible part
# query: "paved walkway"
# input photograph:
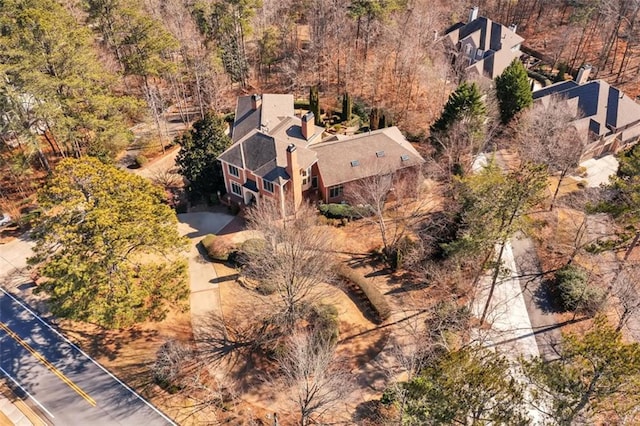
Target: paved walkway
(205, 294)
(599, 170)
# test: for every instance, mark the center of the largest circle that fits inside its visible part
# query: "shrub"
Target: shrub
(234, 208)
(141, 160)
(266, 288)
(217, 248)
(375, 298)
(340, 211)
(247, 248)
(576, 294)
(325, 321)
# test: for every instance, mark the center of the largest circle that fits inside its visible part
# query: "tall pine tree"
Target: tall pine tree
(513, 91)
(465, 103)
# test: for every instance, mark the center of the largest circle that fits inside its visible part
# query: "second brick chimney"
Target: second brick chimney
(308, 126)
(293, 170)
(256, 101)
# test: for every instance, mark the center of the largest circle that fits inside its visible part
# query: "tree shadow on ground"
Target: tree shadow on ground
(100, 342)
(546, 297)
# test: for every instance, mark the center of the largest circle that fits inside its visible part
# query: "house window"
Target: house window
(268, 186)
(236, 189)
(305, 176)
(467, 49)
(233, 171)
(336, 191)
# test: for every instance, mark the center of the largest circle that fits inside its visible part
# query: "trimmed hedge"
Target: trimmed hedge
(343, 211)
(375, 298)
(217, 248)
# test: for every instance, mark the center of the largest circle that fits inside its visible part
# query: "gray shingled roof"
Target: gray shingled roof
(335, 157)
(495, 40)
(606, 107)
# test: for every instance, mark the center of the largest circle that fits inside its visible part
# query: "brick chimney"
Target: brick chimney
(293, 169)
(256, 101)
(583, 74)
(473, 14)
(308, 127)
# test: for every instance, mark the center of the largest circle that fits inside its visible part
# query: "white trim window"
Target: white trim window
(233, 171)
(267, 185)
(236, 189)
(336, 191)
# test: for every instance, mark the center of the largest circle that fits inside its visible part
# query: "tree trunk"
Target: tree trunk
(555, 194)
(494, 280)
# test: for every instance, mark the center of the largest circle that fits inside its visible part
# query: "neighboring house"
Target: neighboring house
(276, 154)
(608, 120)
(483, 47)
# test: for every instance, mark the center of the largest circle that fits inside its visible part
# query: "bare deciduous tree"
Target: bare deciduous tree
(395, 203)
(315, 380)
(295, 258)
(546, 135)
(626, 289)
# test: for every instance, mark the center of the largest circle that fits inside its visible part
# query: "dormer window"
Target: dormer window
(355, 163)
(380, 154)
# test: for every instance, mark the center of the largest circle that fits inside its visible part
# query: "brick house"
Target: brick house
(279, 155)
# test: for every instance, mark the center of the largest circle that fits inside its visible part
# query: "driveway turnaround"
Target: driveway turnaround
(65, 385)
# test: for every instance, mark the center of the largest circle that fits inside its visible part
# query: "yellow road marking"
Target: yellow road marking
(47, 364)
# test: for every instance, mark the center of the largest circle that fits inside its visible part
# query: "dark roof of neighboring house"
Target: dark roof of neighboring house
(347, 159)
(494, 39)
(607, 107)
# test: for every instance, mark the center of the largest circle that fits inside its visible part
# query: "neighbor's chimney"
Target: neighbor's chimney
(256, 101)
(307, 126)
(513, 27)
(294, 173)
(473, 13)
(583, 74)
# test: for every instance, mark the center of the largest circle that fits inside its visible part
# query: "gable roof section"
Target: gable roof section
(495, 40)
(346, 160)
(607, 108)
(273, 108)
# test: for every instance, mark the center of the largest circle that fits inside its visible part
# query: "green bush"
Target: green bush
(576, 294)
(375, 298)
(217, 248)
(340, 211)
(249, 247)
(325, 322)
(141, 160)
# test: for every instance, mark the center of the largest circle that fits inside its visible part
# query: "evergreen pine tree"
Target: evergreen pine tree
(513, 91)
(374, 119)
(314, 104)
(347, 107)
(463, 104)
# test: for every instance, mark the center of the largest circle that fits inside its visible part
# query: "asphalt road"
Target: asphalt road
(64, 383)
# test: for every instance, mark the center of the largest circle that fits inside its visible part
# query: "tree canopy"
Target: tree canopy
(595, 374)
(53, 84)
(513, 91)
(468, 386)
(108, 246)
(200, 148)
(465, 104)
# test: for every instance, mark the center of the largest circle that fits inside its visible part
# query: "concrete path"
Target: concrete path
(205, 294)
(599, 170)
(511, 328)
(536, 298)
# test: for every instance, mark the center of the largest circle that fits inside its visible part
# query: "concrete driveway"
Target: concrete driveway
(205, 295)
